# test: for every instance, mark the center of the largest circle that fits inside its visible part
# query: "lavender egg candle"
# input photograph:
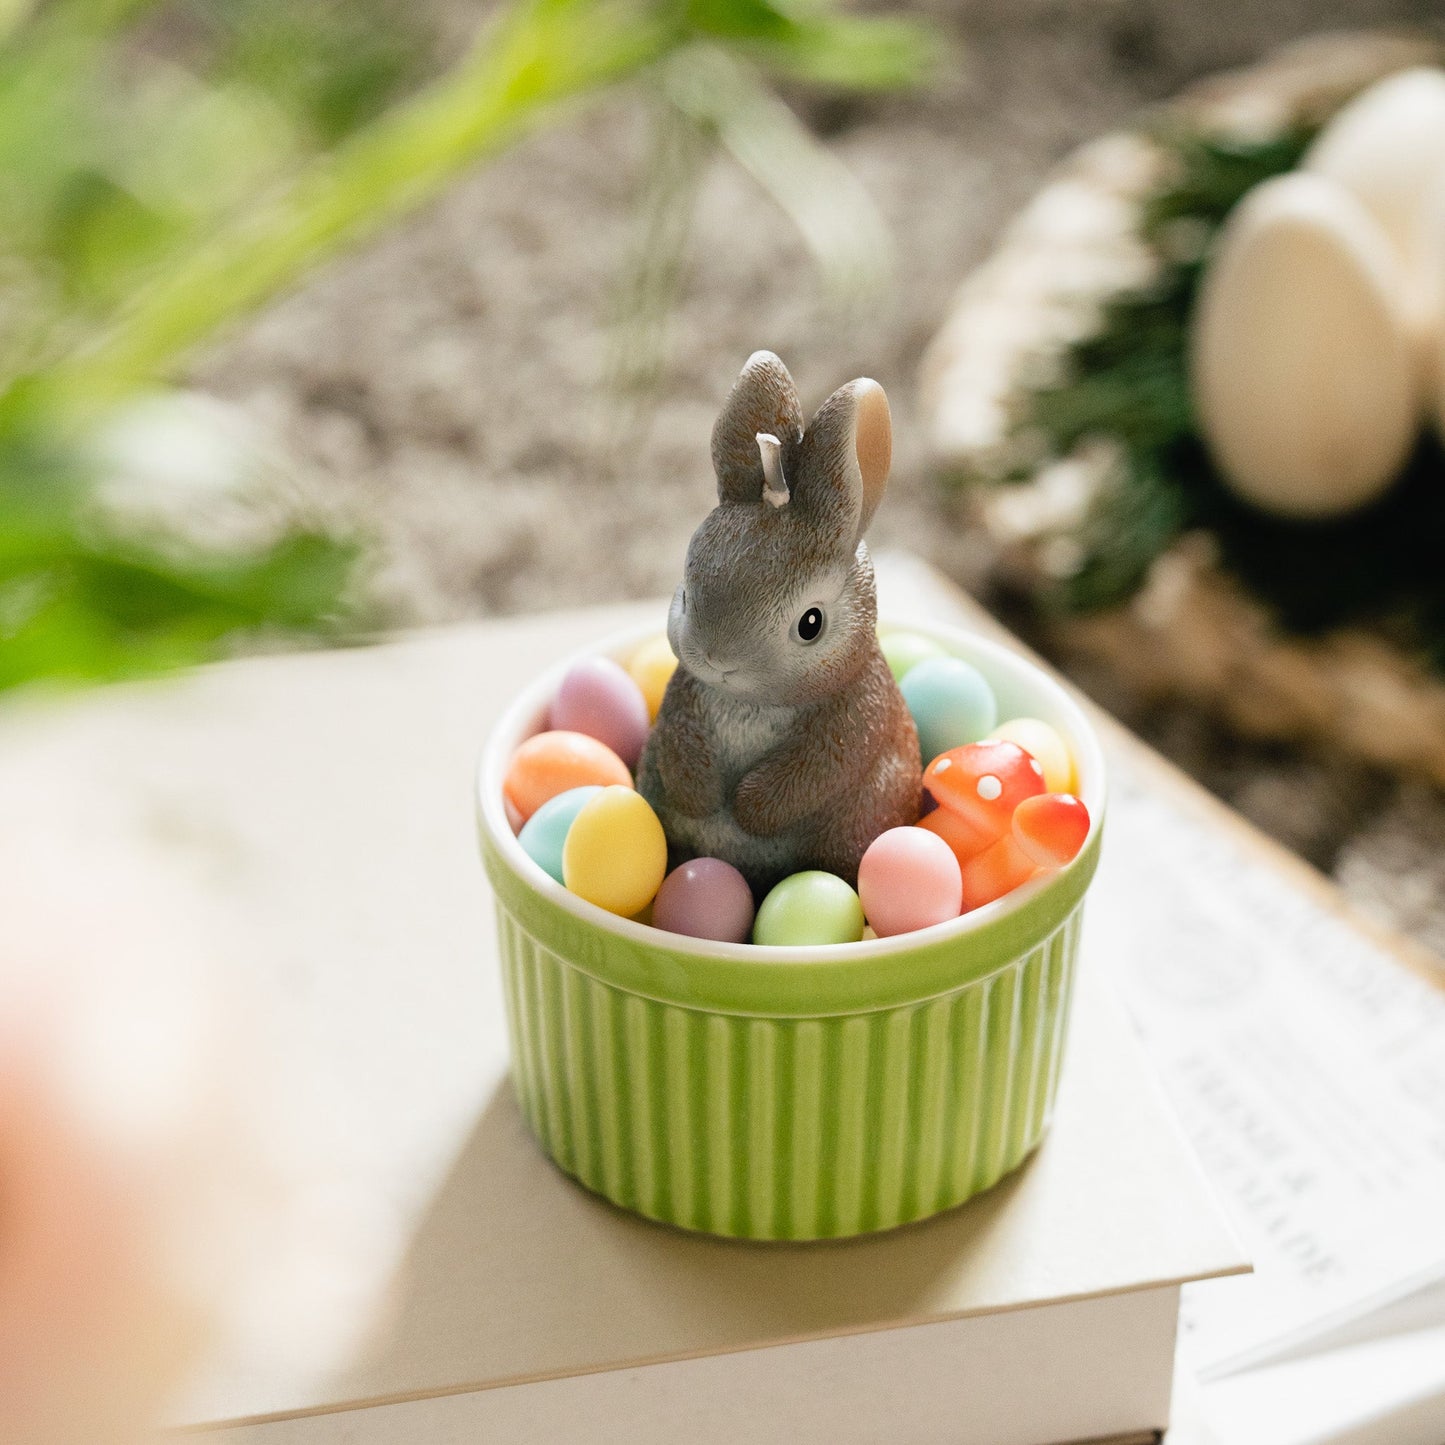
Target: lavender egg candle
(599, 698)
(705, 898)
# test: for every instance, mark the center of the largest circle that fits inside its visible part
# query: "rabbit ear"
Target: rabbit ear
(762, 403)
(844, 459)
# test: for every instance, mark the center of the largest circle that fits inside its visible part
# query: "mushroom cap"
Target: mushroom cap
(984, 782)
(1051, 828)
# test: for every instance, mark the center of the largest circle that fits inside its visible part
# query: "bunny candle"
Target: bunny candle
(783, 743)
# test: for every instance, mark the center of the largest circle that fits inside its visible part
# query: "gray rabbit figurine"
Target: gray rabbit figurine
(783, 742)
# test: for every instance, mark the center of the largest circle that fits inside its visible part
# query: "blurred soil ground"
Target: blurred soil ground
(446, 383)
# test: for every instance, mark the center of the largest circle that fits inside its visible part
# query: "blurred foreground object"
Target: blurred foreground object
(172, 165)
(101, 1087)
(158, 1200)
(1060, 393)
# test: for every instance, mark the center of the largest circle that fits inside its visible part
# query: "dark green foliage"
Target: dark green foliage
(1213, 175)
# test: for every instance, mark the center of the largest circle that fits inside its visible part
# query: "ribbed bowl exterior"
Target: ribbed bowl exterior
(787, 1128)
(790, 1093)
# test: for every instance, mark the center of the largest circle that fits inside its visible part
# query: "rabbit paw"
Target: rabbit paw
(760, 807)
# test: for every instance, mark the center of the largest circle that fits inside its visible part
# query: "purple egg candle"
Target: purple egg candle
(705, 898)
(599, 698)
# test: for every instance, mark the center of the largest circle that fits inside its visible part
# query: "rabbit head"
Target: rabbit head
(777, 602)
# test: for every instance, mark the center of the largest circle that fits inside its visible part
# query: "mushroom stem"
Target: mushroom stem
(999, 869)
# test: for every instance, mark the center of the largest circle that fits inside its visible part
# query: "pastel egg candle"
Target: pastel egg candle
(909, 879)
(599, 699)
(903, 651)
(615, 854)
(809, 908)
(705, 898)
(553, 762)
(951, 703)
(545, 832)
(651, 668)
(1042, 743)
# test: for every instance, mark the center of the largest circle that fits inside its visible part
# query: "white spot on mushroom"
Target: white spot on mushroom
(1034, 764)
(989, 788)
(942, 765)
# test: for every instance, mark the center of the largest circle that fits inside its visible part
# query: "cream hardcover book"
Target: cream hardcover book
(324, 801)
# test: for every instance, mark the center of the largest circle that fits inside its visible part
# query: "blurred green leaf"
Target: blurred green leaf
(832, 212)
(540, 54)
(812, 41)
(334, 64)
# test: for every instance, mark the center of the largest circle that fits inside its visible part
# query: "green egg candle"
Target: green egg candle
(903, 651)
(807, 909)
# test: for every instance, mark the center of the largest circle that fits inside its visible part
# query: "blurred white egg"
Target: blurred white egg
(1302, 376)
(1387, 148)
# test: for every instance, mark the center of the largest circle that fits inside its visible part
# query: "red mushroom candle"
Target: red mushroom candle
(977, 788)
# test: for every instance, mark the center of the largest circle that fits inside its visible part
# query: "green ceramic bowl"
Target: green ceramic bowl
(789, 1093)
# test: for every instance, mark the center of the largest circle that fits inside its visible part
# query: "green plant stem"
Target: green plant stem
(544, 53)
(832, 211)
(652, 275)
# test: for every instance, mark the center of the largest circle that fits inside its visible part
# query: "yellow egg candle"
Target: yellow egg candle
(616, 852)
(651, 668)
(1045, 746)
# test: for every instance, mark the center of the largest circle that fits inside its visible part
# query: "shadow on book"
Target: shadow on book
(518, 1272)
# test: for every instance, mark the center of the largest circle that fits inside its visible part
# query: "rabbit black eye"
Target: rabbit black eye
(810, 625)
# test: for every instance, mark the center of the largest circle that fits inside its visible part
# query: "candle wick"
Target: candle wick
(775, 489)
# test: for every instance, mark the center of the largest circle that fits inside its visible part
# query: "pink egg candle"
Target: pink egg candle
(909, 879)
